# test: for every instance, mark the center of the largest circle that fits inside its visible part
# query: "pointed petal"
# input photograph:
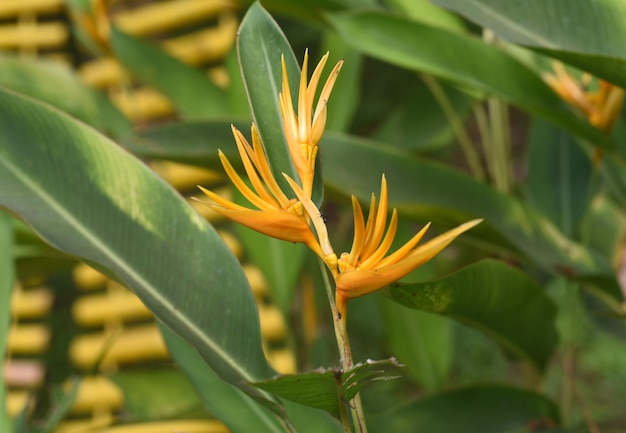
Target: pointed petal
(352, 284)
(328, 88)
(220, 201)
(359, 233)
(245, 151)
(303, 120)
(312, 87)
(241, 185)
(404, 249)
(374, 236)
(384, 246)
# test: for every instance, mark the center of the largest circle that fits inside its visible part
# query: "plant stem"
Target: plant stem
(345, 353)
(460, 133)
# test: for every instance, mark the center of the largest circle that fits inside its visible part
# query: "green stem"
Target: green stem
(345, 353)
(460, 133)
(500, 144)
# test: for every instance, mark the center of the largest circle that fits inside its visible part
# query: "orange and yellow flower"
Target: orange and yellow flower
(304, 130)
(366, 268)
(275, 215)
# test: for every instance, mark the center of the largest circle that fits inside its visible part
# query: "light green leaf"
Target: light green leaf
(52, 82)
(426, 12)
(484, 409)
(7, 275)
(497, 299)
(89, 198)
(261, 44)
(189, 89)
(461, 59)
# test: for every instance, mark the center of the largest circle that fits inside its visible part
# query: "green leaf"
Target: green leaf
(555, 159)
(190, 142)
(461, 59)
(422, 342)
(485, 409)
(188, 88)
(497, 299)
(279, 261)
(231, 406)
(89, 198)
(7, 275)
(63, 399)
(52, 82)
(260, 44)
(455, 197)
(327, 388)
(585, 34)
(604, 227)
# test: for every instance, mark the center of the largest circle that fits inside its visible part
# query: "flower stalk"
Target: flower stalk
(367, 267)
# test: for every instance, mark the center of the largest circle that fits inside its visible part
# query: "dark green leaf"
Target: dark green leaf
(189, 89)
(326, 389)
(461, 59)
(555, 159)
(261, 44)
(486, 409)
(422, 342)
(87, 197)
(52, 82)
(497, 299)
(189, 142)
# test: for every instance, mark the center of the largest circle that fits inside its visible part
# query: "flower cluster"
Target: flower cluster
(601, 106)
(368, 266)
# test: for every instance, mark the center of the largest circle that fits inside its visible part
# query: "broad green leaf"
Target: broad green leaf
(188, 88)
(233, 407)
(52, 82)
(555, 159)
(461, 59)
(586, 34)
(309, 10)
(153, 394)
(422, 342)
(325, 388)
(484, 409)
(279, 261)
(417, 186)
(189, 142)
(6, 287)
(89, 198)
(261, 44)
(497, 299)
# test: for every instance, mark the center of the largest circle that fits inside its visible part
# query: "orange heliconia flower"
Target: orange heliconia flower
(366, 268)
(304, 130)
(601, 107)
(275, 215)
